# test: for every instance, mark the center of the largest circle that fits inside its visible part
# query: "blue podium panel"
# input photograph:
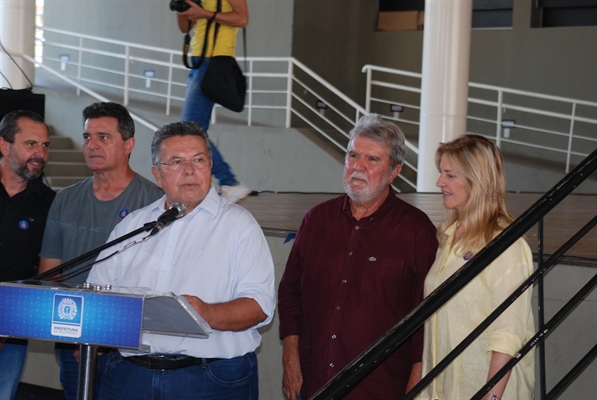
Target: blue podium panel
(77, 316)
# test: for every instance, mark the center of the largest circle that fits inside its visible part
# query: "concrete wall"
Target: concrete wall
(525, 179)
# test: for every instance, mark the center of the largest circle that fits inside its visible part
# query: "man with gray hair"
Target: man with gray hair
(356, 268)
(216, 256)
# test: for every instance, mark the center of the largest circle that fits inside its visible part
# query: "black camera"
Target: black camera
(181, 5)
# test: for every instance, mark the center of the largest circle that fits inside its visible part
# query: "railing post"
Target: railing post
(213, 119)
(79, 64)
(169, 90)
(289, 91)
(250, 116)
(368, 90)
(126, 74)
(541, 311)
(570, 137)
(498, 128)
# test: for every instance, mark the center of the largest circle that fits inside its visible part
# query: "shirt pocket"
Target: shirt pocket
(387, 280)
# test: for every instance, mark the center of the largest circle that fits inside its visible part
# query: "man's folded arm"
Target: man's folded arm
(235, 315)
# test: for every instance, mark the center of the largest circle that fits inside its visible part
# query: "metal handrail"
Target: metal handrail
(570, 376)
(501, 106)
(88, 91)
(540, 272)
(539, 337)
(383, 347)
(122, 79)
(129, 82)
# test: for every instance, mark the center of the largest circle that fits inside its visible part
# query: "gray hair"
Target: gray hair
(184, 128)
(383, 132)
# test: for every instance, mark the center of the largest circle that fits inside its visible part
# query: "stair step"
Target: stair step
(61, 143)
(58, 168)
(66, 155)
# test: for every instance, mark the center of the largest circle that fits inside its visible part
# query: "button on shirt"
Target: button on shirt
(347, 282)
(217, 252)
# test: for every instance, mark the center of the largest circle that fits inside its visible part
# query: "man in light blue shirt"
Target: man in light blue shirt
(216, 257)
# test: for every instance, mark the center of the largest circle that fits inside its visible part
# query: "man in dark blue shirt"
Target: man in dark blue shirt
(24, 205)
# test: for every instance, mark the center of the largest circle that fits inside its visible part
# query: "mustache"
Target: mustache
(358, 175)
(38, 160)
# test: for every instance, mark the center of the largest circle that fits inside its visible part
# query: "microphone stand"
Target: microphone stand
(88, 352)
(147, 227)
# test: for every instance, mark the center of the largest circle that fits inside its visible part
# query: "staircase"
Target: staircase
(66, 165)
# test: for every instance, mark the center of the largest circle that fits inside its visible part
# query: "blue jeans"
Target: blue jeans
(69, 372)
(233, 379)
(12, 359)
(198, 108)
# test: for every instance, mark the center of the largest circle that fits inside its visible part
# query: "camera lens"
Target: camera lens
(179, 5)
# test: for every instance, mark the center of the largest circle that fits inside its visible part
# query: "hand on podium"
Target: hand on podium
(236, 315)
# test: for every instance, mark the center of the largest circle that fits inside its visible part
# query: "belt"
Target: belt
(163, 362)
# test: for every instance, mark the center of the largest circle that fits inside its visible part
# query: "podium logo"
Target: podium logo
(67, 309)
(67, 316)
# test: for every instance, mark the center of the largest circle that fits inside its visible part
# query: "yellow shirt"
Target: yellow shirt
(226, 41)
(465, 311)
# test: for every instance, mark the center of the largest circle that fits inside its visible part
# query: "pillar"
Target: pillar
(17, 31)
(444, 86)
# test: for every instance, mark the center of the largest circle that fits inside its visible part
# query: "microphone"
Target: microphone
(176, 210)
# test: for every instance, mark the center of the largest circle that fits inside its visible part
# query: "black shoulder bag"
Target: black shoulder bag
(224, 82)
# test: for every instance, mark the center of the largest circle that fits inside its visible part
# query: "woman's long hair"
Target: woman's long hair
(480, 162)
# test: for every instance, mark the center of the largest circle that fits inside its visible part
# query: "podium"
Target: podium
(93, 316)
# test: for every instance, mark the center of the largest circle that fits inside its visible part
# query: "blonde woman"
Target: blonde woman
(472, 183)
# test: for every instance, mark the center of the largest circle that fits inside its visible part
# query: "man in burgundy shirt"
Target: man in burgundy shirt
(356, 268)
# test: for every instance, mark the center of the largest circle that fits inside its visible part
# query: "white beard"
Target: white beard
(368, 193)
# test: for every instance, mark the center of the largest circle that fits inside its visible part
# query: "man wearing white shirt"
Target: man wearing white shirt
(216, 257)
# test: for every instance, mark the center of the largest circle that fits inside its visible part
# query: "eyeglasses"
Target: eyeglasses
(178, 164)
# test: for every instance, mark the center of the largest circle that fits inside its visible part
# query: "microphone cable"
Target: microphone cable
(86, 268)
(163, 221)
(17, 65)
(7, 81)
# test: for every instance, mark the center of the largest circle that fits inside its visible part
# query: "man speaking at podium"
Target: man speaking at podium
(216, 256)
